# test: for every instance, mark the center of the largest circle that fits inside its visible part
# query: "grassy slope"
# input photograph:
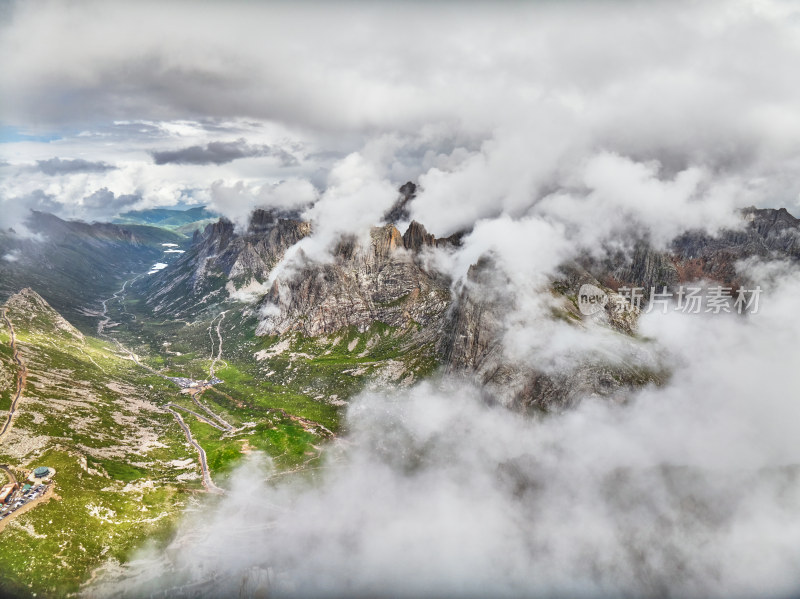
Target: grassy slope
(284, 395)
(104, 510)
(280, 405)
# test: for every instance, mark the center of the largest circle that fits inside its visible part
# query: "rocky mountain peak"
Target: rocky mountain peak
(386, 239)
(219, 233)
(416, 237)
(261, 220)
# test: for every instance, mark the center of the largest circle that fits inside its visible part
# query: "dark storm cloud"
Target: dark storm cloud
(100, 205)
(17, 208)
(38, 200)
(104, 203)
(221, 152)
(57, 166)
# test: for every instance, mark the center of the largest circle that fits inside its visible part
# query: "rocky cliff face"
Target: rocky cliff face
(474, 344)
(382, 280)
(694, 256)
(473, 341)
(768, 234)
(222, 261)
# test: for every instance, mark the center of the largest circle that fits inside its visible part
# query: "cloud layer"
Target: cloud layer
(57, 166)
(690, 490)
(218, 152)
(490, 109)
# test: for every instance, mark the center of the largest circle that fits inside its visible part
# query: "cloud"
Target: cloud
(105, 204)
(221, 152)
(690, 489)
(618, 196)
(15, 210)
(236, 201)
(501, 111)
(57, 166)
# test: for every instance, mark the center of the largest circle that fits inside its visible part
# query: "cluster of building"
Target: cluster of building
(185, 383)
(13, 496)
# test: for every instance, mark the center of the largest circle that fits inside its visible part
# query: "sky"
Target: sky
(109, 106)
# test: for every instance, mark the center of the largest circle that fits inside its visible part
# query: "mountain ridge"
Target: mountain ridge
(71, 263)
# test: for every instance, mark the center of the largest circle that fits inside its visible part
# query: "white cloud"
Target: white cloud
(689, 490)
(544, 88)
(355, 199)
(237, 201)
(619, 195)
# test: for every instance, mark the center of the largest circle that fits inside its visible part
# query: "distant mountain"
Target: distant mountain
(220, 257)
(695, 255)
(186, 221)
(73, 264)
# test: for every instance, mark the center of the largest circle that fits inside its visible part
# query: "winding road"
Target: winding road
(8, 471)
(218, 357)
(219, 423)
(207, 482)
(22, 376)
(200, 417)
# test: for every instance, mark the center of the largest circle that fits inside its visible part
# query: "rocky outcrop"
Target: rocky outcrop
(474, 344)
(417, 237)
(695, 255)
(30, 309)
(768, 234)
(366, 282)
(223, 260)
(399, 211)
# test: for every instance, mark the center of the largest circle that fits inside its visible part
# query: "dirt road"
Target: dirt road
(22, 376)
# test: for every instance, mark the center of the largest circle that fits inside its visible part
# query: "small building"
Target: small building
(26, 487)
(41, 472)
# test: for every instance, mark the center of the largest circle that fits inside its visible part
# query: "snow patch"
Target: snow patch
(156, 267)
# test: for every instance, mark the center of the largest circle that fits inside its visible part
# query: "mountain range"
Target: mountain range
(155, 359)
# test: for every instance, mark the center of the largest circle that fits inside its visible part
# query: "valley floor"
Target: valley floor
(142, 417)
